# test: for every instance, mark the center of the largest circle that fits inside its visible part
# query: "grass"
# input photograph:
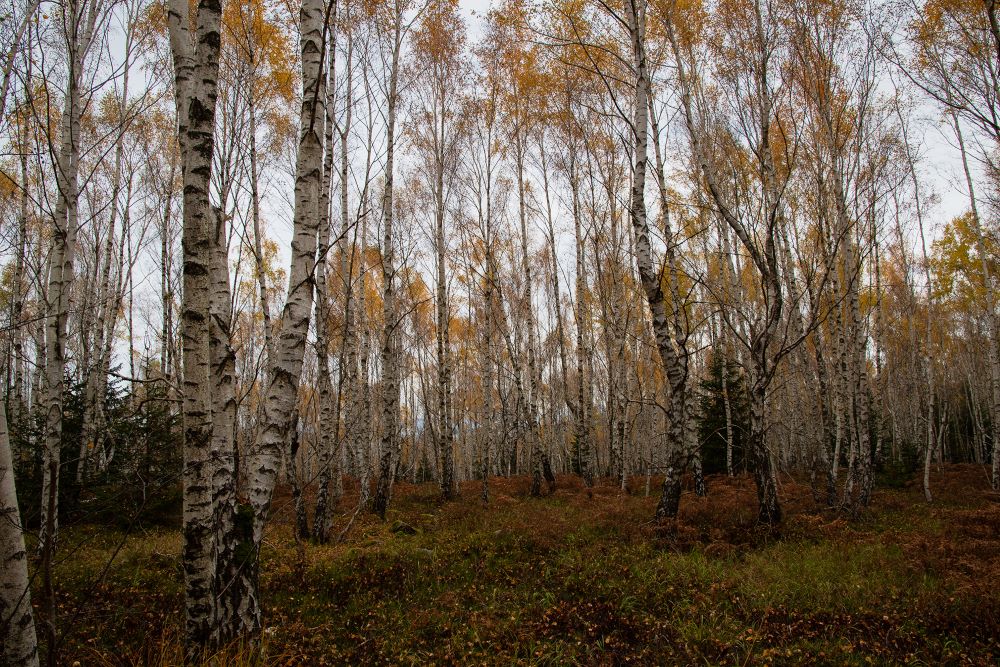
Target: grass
(581, 578)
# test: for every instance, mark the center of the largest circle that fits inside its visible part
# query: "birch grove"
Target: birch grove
(249, 251)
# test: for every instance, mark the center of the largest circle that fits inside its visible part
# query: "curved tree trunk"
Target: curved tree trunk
(650, 277)
(285, 370)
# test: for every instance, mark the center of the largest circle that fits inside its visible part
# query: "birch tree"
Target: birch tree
(751, 35)
(955, 62)
(18, 642)
(290, 340)
(398, 21)
(79, 25)
(194, 42)
(438, 45)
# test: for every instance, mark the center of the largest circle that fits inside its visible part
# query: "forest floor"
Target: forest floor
(580, 578)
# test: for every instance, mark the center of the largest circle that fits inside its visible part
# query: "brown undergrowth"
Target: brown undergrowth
(581, 576)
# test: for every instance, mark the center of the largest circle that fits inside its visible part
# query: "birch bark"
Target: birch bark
(389, 455)
(328, 440)
(290, 344)
(649, 277)
(18, 642)
(991, 306)
(196, 69)
(79, 27)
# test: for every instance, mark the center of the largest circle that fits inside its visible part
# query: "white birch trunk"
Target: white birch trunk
(79, 28)
(327, 426)
(235, 599)
(993, 355)
(648, 275)
(286, 367)
(18, 642)
(389, 454)
(196, 67)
